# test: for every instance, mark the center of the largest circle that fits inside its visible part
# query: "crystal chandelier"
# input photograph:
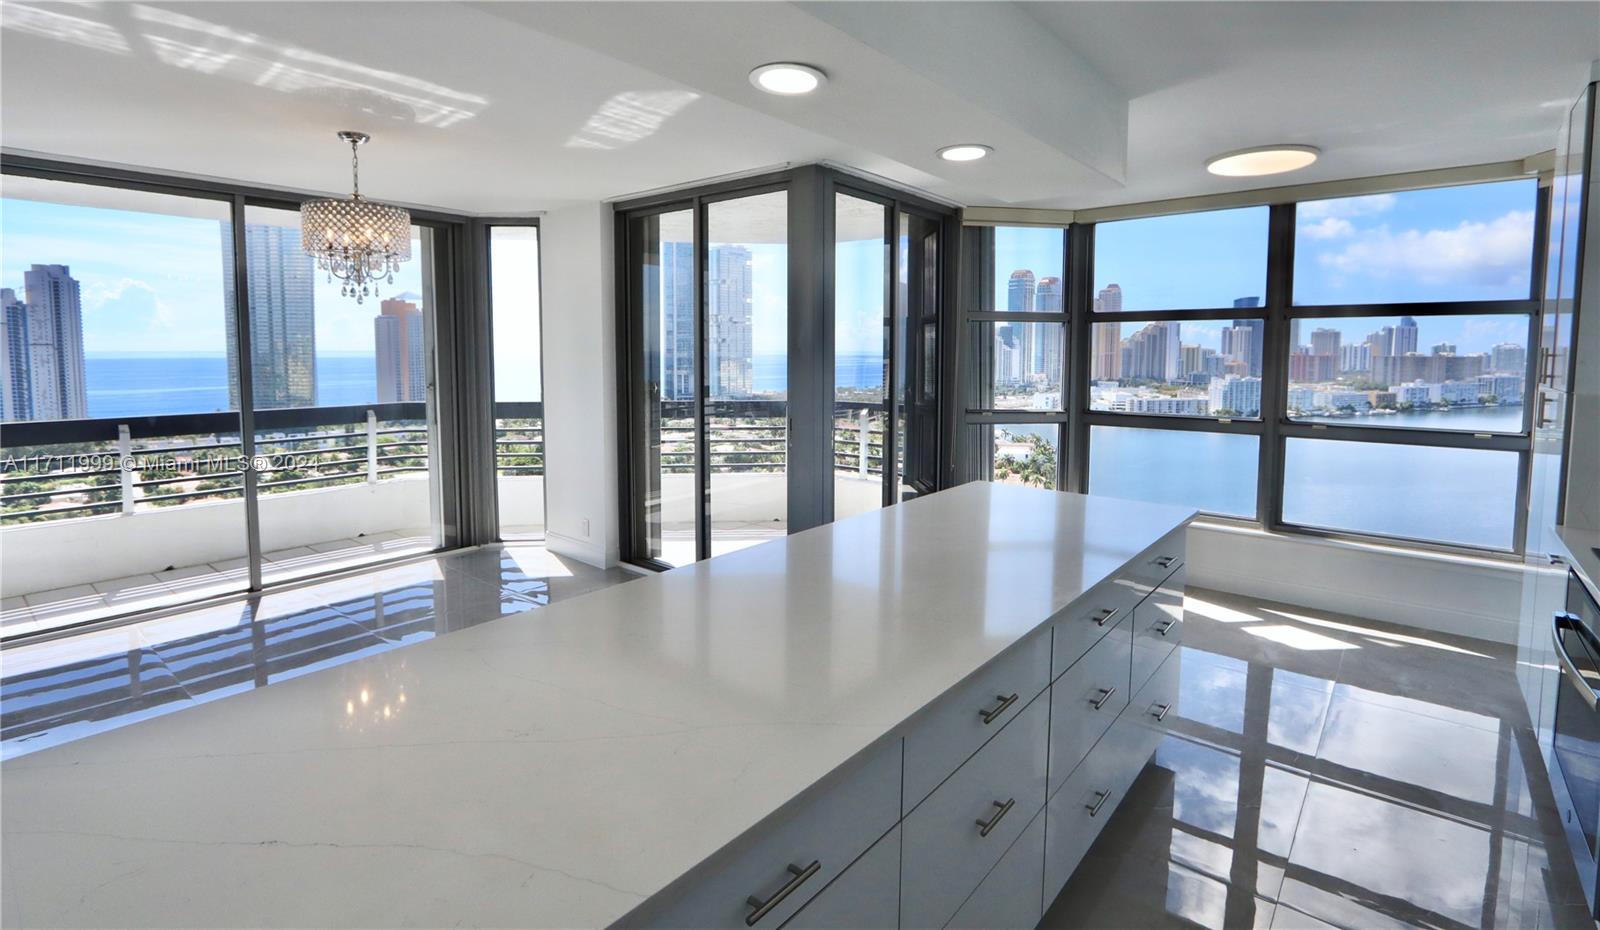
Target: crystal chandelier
(356, 240)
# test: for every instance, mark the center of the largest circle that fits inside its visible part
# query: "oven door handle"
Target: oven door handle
(1566, 621)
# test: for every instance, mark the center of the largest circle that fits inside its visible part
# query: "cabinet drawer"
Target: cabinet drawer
(1157, 626)
(865, 897)
(1012, 895)
(1089, 619)
(1085, 701)
(787, 858)
(1156, 704)
(1156, 563)
(946, 849)
(1078, 812)
(944, 735)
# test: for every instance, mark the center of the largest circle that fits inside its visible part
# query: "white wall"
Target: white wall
(1467, 596)
(580, 394)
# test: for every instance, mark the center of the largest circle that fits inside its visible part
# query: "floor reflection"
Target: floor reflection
(64, 689)
(1327, 771)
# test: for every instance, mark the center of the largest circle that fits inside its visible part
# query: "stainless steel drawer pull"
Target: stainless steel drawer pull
(984, 826)
(1100, 801)
(1165, 627)
(1104, 616)
(763, 908)
(1160, 711)
(1166, 561)
(1105, 695)
(993, 714)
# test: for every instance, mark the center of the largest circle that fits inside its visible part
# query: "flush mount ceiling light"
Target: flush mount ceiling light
(787, 78)
(356, 240)
(1262, 159)
(965, 151)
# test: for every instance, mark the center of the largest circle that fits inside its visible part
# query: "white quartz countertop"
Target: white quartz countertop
(554, 768)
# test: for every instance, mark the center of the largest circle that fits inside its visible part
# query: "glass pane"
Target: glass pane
(747, 353)
(1450, 372)
(1027, 269)
(1024, 364)
(518, 385)
(117, 326)
(1189, 261)
(1208, 368)
(860, 333)
(1021, 453)
(1448, 243)
(664, 476)
(1213, 472)
(1463, 496)
(341, 396)
(917, 356)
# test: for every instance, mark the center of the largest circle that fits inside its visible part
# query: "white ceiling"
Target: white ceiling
(516, 107)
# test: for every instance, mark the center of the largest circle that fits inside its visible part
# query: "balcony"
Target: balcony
(85, 539)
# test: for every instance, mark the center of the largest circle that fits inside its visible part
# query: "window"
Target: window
(1214, 472)
(518, 383)
(1383, 378)
(1195, 368)
(1028, 274)
(1459, 496)
(1446, 244)
(1183, 262)
(1432, 372)
(860, 341)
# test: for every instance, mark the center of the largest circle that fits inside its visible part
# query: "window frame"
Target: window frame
(1277, 311)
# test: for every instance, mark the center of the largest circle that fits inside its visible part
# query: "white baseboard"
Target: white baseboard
(586, 551)
(1467, 596)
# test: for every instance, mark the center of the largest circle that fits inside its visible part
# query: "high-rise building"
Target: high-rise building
(397, 333)
(674, 286)
(1443, 348)
(1046, 351)
(1325, 341)
(1008, 369)
(1508, 357)
(1381, 343)
(16, 397)
(1152, 354)
(1239, 396)
(1357, 356)
(283, 329)
(1109, 300)
(729, 340)
(1106, 363)
(1019, 291)
(1395, 369)
(1244, 341)
(55, 344)
(1294, 336)
(1405, 336)
(1243, 303)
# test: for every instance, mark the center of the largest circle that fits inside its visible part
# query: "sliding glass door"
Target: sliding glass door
(518, 380)
(747, 418)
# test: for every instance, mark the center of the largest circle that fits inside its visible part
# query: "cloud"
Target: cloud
(1330, 227)
(1492, 253)
(1346, 206)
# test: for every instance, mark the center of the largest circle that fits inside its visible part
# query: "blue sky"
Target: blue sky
(153, 283)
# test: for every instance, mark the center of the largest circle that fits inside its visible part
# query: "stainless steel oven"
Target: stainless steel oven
(1575, 766)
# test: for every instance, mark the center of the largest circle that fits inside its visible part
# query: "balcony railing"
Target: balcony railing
(67, 469)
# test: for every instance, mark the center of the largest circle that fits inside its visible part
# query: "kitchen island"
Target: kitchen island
(745, 738)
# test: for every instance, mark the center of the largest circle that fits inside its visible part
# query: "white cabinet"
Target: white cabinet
(1012, 895)
(764, 877)
(865, 897)
(942, 737)
(956, 836)
(1157, 627)
(1085, 700)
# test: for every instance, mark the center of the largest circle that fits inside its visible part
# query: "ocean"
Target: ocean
(152, 385)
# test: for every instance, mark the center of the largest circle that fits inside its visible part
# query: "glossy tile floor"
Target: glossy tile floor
(48, 610)
(1329, 771)
(64, 689)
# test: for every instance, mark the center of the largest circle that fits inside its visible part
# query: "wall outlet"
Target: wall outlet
(585, 527)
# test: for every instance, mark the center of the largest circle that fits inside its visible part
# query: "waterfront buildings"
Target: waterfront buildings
(283, 333)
